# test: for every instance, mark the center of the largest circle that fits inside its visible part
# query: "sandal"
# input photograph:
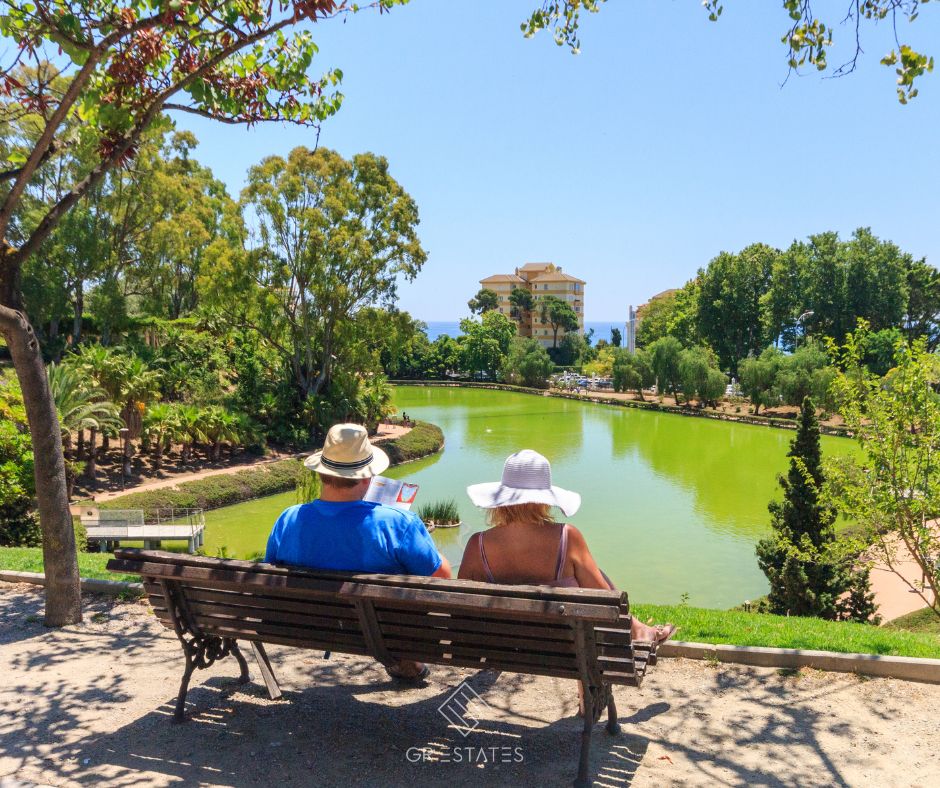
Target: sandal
(664, 632)
(395, 672)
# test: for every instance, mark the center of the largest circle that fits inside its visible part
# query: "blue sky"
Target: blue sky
(667, 140)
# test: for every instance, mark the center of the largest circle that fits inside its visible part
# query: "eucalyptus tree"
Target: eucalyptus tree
(335, 236)
(117, 69)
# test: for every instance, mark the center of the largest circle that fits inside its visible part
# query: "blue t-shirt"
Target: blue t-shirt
(355, 536)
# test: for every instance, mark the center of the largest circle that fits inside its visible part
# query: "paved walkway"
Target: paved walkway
(92, 705)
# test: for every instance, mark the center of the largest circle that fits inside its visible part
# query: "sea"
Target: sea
(601, 328)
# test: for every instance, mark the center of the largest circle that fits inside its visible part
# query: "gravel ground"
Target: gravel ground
(92, 705)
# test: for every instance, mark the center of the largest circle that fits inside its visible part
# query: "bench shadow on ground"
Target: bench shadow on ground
(342, 722)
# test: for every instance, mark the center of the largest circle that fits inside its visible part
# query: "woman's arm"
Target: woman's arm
(586, 571)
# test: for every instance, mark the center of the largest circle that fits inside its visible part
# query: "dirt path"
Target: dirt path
(385, 432)
(91, 705)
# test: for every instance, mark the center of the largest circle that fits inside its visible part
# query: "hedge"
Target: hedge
(424, 439)
(224, 489)
(214, 491)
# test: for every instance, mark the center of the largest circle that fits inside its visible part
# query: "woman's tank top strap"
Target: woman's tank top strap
(562, 552)
(486, 564)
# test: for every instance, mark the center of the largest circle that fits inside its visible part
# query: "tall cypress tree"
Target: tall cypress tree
(806, 577)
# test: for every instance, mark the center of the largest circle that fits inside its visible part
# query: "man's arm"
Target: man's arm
(444, 569)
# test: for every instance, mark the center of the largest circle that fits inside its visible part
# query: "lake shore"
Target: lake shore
(785, 420)
(92, 704)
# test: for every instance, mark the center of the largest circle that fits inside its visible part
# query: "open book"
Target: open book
(391, 492)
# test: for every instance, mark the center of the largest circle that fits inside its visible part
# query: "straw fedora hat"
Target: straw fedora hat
(348, 453)
(527, 478)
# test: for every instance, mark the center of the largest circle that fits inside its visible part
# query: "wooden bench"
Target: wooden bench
(211, 604)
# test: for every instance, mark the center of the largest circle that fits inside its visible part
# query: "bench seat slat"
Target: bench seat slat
(250, 601)
(483, 656)
(440, 637)
(259, 631)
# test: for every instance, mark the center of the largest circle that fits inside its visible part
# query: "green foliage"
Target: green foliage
(671, 313)
(308, 486)
(664, 355)
(805, 373)
(485, 300)
(18, 525)
(807, 574)
(632, 371)
(559, 315)
(759, 377)
(699, 376)
(521, 304)
(892, 491)
(729, 314)
(485, 343)
(616, 337)
(422, 440)
(337, 235)
(527, 364)
(439, 512)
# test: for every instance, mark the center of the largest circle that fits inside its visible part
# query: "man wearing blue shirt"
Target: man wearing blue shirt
(340, 531)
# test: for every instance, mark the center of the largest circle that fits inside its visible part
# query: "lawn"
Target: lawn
(755, 629)
(29, 559)
(913, 636)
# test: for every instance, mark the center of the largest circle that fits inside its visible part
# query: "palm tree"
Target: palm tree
(191, 422)
(161, 426)
(219, 426)
(375, 401)
(81, 405)
(102, 366)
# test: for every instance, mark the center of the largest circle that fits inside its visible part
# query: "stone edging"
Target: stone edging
(757, 421)
(907, 668)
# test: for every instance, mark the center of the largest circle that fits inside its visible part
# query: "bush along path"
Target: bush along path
(216, 488)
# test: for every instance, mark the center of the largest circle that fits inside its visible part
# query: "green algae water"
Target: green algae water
(671, 505)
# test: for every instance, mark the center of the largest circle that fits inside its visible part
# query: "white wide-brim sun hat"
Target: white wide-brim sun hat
(527, 478)
(348, 453)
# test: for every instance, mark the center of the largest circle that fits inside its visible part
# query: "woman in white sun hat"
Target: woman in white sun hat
(526, 546)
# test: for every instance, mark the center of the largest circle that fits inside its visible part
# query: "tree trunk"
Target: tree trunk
(79, 312)
(158, 455)
(91, 468)
(80, 445)
(63, 590)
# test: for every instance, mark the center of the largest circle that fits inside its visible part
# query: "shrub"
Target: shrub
(422, 440)
(440, 512)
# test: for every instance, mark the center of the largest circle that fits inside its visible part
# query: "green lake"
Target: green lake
(671, 505)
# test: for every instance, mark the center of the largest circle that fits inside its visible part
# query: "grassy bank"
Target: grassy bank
(29, 559)
(755, 629)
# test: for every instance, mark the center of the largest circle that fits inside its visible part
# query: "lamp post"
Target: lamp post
(799, 322)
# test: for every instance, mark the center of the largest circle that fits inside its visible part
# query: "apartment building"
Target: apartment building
(541, 279)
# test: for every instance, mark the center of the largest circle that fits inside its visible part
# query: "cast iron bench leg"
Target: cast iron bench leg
(243, 676)
(583, 781)
(613, 727)
(267, 672)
